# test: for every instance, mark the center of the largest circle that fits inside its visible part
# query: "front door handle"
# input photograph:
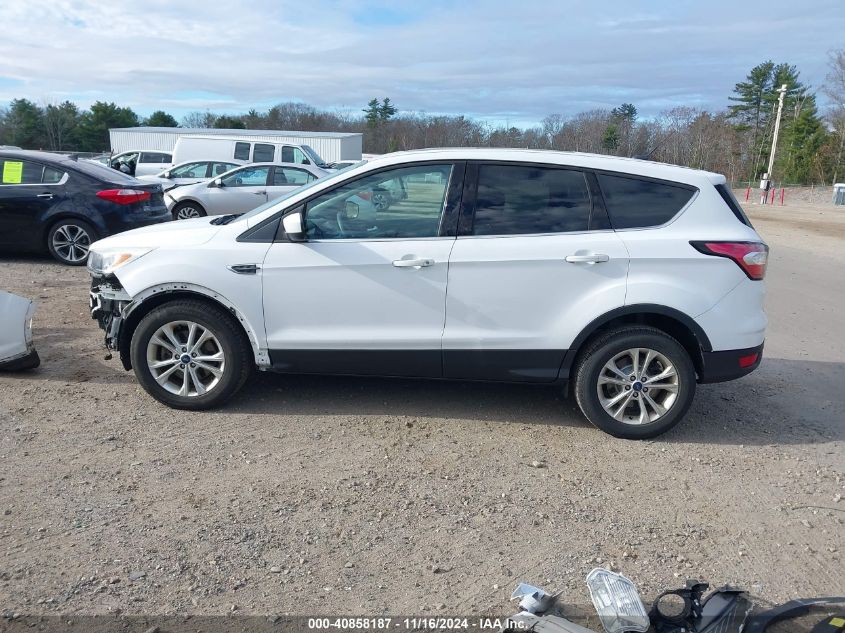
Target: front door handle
(47, 196)
(595, 258)
(412, 263)
(259, 193)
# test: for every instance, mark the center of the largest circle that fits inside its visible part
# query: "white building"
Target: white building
(331, 146)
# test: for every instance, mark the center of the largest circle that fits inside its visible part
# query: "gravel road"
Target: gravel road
(311, 495)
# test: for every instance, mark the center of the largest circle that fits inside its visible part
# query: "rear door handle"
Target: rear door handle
(412, 263)
(595, 258)
(48, 196)
(259, 193)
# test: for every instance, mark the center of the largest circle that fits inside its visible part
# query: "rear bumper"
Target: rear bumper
(730, 364)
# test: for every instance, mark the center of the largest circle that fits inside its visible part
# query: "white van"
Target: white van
(243, 149)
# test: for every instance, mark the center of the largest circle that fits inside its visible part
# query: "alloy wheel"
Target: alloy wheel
(185, 358)
(638, 386)
(71, 242)
(186, 213)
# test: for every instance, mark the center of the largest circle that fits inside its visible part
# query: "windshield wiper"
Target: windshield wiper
(225, 219)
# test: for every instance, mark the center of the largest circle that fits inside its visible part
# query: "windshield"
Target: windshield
(276, 201)
(314, 156)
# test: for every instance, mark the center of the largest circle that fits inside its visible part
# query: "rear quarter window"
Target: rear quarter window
(730, 200)
(637, 203)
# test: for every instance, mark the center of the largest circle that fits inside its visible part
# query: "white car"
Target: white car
(189, 173)
(239, 190)
(17, 351)
(141, 162)
(628, 280)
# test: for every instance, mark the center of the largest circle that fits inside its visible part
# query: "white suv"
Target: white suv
(627, 280)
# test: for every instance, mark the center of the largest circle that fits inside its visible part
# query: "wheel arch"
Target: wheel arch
(147, 300)
(190, 200)
(673, 322)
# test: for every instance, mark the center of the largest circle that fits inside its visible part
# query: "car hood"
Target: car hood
(178, 233)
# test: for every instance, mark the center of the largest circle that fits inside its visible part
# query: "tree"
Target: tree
(60, 122)
(226, 122)
(160, 118)
(25, 124)
(756, 99)
(94, 125)
(386, 110)
(803, 137)
(199, 119)
(610, 138)
(624, 118)
(372, 113)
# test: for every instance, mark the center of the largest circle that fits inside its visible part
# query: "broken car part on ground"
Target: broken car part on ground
(684, 610)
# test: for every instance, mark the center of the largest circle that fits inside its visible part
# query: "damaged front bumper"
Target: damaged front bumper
(109, 302)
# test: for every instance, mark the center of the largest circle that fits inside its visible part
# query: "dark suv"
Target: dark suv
(55, 202)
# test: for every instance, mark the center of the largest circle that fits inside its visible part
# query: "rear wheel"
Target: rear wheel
(635, 382)
(190, 355)
(188, 210)
(68, 241)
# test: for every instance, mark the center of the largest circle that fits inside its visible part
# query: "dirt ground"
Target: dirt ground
(312, 495)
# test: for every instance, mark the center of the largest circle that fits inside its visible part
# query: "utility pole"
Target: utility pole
(766, 183)
(782, 91)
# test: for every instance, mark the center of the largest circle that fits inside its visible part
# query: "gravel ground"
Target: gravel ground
(312, 495)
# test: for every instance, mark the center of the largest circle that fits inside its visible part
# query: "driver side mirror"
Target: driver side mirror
(292, 224)
(217, 182)
(352, 210)
(166, 174)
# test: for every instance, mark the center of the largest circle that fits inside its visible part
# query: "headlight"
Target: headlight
(617, 602)
(106, 261)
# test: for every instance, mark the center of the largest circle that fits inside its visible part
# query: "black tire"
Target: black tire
(607, 346)
(187, 210)
(237, 352)
(69, 239)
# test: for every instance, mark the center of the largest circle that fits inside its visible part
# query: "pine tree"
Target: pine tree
(386, 110)
(372, 113)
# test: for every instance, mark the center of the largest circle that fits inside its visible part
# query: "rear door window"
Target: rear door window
(522, 200)
(242, 151)
(637, 203)
(263, 153)
(283, 176)
(20, 172)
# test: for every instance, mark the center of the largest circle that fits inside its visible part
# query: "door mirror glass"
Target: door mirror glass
(352, 210)
(292, 224)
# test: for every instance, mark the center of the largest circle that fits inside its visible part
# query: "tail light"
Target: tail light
(124, 196)
(366, 195)
(752, 257)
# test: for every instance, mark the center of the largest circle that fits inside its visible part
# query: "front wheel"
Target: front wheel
(190, 355)
(188, 210)
(634, 382)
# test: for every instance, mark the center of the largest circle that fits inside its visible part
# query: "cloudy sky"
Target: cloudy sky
(503, 61)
